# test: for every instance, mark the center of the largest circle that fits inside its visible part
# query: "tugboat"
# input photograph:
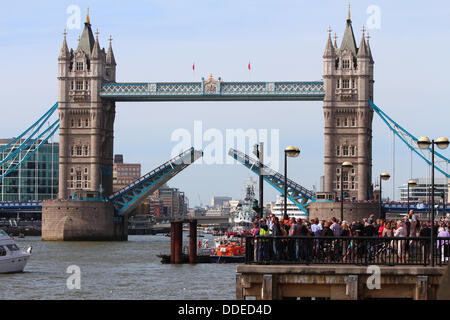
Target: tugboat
(12, 260)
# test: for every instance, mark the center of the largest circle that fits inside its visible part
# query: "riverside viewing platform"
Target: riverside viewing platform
(341, 268)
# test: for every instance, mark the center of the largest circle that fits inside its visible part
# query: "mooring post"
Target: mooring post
(192, 241)
(178, 239)
(172, 242)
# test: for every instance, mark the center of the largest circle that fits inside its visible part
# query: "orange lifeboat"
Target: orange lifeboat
(231, 249)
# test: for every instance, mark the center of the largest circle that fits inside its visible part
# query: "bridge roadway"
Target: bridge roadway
(35, 208)
(211, 219)
(213, 90)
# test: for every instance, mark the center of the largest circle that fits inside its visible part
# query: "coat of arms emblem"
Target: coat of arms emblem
(211, 86)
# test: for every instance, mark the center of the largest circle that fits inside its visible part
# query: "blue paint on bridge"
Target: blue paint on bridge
(128, 198)
(299, 195)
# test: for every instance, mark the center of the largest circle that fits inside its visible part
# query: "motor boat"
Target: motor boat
(12, 259)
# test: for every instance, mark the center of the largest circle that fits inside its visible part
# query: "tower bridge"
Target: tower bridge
(88, 92)
(87, 96)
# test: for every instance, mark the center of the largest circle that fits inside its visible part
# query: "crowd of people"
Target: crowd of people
(283, 249)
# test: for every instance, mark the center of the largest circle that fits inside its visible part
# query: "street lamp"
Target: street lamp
(259, 152)
(290, 151)
(345, 165)
(411, 183)
(384, 176)
(424, 143)
(444, 211)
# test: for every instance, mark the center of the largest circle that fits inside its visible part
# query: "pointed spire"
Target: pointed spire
(64, 53)
(348, 40)
(369, 52)
(362, 50)
(96, 48)
(329, 50)
(349, 16)
(86, 42)
(110, 55)
(88, 19)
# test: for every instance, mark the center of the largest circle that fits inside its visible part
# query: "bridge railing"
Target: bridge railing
(254, 166)
(181, 158)
(346, 250)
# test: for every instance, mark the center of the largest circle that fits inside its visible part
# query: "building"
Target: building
(174, 202)
(35, 179)
(124, 173)
(422, 191)
(348, 82)
(220, 201)
(86, 132)
(155, 206)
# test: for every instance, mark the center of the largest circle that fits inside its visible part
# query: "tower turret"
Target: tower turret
(110, 63)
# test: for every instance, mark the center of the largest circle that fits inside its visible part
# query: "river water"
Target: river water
(115, 270)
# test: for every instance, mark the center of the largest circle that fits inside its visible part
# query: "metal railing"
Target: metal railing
(346, 250)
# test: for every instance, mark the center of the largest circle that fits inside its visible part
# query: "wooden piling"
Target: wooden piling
(192, 241)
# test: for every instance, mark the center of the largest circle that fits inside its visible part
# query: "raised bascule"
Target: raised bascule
(87, 209)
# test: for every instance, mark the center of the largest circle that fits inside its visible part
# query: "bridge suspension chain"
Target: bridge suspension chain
(441, 162)
(20, 149)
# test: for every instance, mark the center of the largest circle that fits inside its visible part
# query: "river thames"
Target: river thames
(115, 270)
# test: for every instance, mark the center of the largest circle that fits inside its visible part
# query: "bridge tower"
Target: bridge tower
(86, 122)
(86, 137)
(348, 84)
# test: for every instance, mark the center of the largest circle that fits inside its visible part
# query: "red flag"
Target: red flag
(193, 66)
(249, 65)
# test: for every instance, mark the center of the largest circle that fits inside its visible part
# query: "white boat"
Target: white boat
(292, 209)
(12, 259)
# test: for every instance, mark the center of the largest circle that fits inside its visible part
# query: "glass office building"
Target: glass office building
(35, 179)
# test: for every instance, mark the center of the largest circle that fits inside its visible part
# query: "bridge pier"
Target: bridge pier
(82, 221)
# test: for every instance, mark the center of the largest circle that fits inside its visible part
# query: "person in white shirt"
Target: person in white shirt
(316, 228)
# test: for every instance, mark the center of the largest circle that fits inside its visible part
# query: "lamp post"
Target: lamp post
(345, 165)
(259, 152)
(293, 152)
(384, 176)
(411, 183)
(424, 143)
(444, 211)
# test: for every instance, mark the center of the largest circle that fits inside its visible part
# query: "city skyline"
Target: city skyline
(144, 135)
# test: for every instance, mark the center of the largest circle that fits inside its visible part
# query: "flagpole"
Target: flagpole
(249, 72)
(193, 72)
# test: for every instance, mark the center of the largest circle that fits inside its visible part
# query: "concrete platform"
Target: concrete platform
(336, 282)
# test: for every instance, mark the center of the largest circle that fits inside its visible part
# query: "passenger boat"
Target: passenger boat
(12, 259)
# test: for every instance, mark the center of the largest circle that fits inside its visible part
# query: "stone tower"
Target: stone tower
(86, 122)
(348, 83)
(86, 137)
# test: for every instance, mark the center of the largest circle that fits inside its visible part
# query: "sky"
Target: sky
(284, 40)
